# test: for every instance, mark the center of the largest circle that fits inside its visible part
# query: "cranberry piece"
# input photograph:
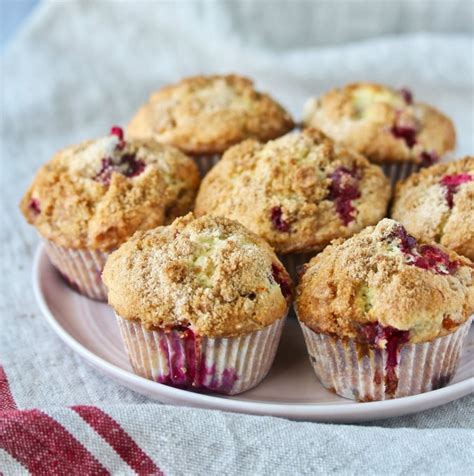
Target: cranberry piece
(435, 259)
(134, 167)
(105, 173)
(407, 95)
(343, 189)
(428, 158)
(369, 333)
(118, 131)
(35, 206)
(451, 184)
(424, 256)
(278, 222)
(281, 279)
(407, 133)
(448, 323)
(128, 166)
(407, 242)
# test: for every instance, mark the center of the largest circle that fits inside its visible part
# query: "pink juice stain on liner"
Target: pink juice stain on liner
(187, 365)
(374, 334)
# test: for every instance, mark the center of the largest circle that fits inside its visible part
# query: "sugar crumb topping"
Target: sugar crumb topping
(210, 274)
(298, 192)
(208, 114)
(98, 193)
(384, 275)
(382, 123)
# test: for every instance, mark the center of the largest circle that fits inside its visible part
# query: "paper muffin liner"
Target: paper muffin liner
(359, 372)
(294, 262)
(396, 171)
(181, 359)
(205, 162)
(80, 268)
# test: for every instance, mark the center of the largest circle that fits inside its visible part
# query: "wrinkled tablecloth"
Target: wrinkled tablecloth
(75, 69)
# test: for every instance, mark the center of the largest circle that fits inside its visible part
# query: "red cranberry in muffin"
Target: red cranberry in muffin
(385, 315)
(437, 204)
(298, 192)
(92, 197)
(387, 125)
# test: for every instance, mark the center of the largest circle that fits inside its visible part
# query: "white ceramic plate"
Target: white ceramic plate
(290, 390)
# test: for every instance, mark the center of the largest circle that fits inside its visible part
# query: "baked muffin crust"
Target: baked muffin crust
(382, 123)
(208, 114)
(297, 192)
(383, 276)
(207, 273)
(437, 204)
(97, 194)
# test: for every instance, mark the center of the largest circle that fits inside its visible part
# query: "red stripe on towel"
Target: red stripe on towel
(44, 446)
(7, 401)
(119, 440)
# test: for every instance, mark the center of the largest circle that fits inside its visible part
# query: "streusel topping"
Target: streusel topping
(383, 277)
(97, 194)
(437, 204)
(208, 114)
(210, 274)
(382, 123)
(298, 192)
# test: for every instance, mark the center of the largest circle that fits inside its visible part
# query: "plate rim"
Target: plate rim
(340, 412)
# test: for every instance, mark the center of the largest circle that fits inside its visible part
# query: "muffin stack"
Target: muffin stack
(201, 299)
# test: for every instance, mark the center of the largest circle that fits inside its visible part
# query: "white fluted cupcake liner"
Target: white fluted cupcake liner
(80, 268)
(294, 262)
(181, 359)
(206, 162)
(396, 171)
(359, 372)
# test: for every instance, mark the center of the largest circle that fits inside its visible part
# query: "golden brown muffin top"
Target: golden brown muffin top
(298, 192)
(97, 194)
(210, 274)
(437, 204)
(382, 123)
(208, 114)
(383, 280)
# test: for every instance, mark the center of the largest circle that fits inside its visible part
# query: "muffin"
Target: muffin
(205, 115)
(383, 315)
(297, 192)
(437, 204)
(385, 125)
(92, 197)
(200, 304)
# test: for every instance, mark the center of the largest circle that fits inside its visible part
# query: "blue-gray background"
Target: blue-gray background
(13, 13)
(320, 22)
